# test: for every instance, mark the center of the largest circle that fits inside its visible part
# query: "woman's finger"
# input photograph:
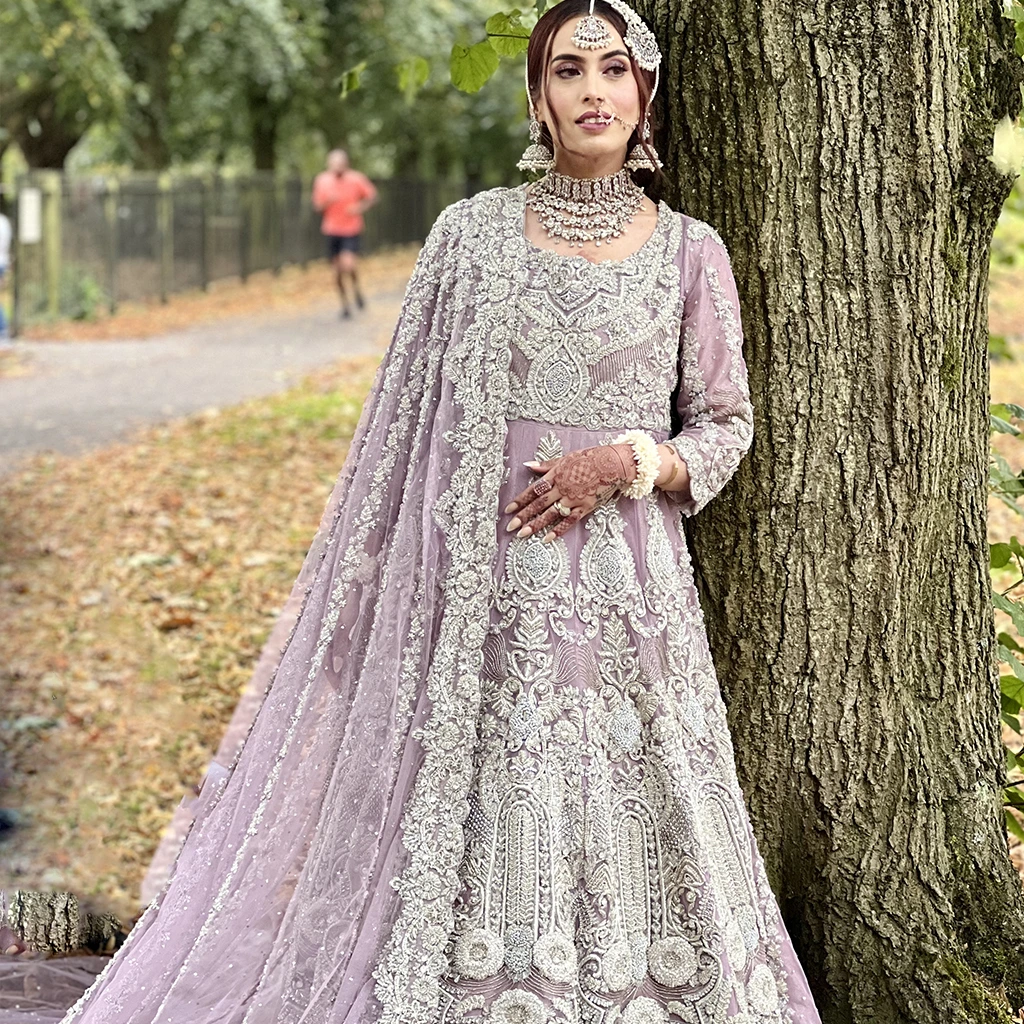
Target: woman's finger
(532, 492)
(540, 524)
(523, 497)
(535, 508)
(565, 524)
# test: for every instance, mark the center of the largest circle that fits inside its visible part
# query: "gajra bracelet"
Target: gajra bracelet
(645, 454)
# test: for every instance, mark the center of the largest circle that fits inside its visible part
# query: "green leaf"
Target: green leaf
(1008, 641)
(1013, 688)
(507, 35)
(999, 348)
(412, 76)
(1012, 721)
(472, 66)
(1012, 608)
(1013, 797)
(350, 80)
(1001, 426)
(1015, 666)
(999, 555)
(1013, 826)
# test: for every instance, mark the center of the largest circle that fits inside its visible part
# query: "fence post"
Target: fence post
(204, 232)
(16, 261)
(277, 206)
(52, 187)
(111, 202)
(165, 234)
(244, 214)
(306, 206)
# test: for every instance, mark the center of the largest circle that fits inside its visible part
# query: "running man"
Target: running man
(342, 195)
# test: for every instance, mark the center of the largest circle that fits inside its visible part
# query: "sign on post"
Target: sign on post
(30, 216)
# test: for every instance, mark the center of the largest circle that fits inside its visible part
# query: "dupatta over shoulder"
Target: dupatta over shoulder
(334, 838)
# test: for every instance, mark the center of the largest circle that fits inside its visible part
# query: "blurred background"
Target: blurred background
(158, 145)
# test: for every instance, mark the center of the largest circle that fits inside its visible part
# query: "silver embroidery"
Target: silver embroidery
(585, 861)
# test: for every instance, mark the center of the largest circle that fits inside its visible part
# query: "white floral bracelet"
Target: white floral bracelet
(648, 464)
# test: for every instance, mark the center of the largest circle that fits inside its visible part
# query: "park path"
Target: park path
(80, 395)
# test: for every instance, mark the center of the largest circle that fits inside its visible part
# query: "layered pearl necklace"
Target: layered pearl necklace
(585, 209)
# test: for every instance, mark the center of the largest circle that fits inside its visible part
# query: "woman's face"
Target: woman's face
(580, 81)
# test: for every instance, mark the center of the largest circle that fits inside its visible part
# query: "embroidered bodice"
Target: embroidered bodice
(596, 344)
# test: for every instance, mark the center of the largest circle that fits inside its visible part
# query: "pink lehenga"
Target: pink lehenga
(492, 779)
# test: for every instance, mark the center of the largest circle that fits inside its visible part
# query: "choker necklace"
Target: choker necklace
(585, 209)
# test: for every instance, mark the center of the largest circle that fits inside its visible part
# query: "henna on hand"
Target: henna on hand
(587, 476)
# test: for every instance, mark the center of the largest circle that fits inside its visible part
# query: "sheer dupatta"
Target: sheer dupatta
(332, 842)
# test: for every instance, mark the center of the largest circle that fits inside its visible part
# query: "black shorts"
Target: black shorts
(341, 243)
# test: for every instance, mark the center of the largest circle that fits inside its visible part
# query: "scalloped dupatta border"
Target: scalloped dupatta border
(477, 366)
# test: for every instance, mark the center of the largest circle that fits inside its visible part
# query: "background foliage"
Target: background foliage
(155, 84)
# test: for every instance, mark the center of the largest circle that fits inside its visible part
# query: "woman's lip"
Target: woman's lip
(594, 126)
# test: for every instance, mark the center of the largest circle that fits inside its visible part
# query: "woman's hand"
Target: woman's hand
(579, 481)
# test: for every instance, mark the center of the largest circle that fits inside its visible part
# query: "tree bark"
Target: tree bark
(842, 152)
(264, 118)
(146, 53)
(53, 922)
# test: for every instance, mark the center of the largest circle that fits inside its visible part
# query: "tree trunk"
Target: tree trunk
(43, 132)
(842, 152)
(264, 118)
(53, 922)
(146, 53)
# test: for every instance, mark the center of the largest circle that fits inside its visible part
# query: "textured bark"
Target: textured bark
(146, 52)
(264, 119)
(53, 922)
(841, 150)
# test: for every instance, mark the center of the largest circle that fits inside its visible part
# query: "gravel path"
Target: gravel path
(84, 394)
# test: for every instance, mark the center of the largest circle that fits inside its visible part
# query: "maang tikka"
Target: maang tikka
(592, 33)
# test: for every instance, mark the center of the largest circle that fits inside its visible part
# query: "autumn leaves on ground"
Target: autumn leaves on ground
(138, 584)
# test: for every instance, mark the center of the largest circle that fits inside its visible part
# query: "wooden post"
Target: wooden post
(277, 206)
(165, 234)
(51, 183)
(244, 221)
(204, 231)
(17, 266)
(111, 202)
(306, 206)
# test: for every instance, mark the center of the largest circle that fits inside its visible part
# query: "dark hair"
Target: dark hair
(538, 55)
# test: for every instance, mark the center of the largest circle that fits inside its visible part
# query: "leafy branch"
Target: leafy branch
(1009, 487)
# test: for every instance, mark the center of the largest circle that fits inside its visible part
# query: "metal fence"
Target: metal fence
(83, 245)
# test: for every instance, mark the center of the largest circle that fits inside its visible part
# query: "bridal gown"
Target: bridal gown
(492, 779)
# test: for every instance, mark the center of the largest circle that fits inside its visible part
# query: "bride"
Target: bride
(492, 779)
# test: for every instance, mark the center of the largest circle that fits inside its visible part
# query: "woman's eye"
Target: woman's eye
(619, 69)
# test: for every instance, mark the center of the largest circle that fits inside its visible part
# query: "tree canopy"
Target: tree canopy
(153, 84)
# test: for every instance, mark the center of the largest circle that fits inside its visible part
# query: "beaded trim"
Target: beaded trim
(645, 454)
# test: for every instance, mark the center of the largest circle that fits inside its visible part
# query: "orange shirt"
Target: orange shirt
(336, 193)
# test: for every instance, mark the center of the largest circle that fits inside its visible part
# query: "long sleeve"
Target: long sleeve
(716, 419)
